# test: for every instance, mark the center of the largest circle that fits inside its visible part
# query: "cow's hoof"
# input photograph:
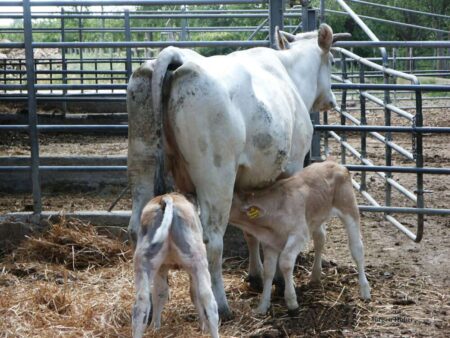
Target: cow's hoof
(293, 312)
(255, 283)
(225, 314)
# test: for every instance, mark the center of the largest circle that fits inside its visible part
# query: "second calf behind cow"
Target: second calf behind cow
(283, 216)
(170, 236)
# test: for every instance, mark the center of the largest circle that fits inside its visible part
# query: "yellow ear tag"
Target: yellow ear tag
(253, 212)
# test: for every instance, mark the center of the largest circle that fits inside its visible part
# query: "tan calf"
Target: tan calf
(284, 215)
(170, 236)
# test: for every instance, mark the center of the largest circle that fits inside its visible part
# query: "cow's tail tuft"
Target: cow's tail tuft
(163, 230)
(168, 60)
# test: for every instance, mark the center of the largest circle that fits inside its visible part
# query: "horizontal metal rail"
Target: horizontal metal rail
(319, 127)
(397, 23)
(407, 10)
(398, 225)
(366, 161)
(93, 168)
(39, 3)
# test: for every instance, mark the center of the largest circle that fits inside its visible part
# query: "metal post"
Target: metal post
(322, 11)
(418, 122)
(343, 104)
(184, 25)
(309, 18)
(80, 38)
(63, 61)
(32, 111)
(388, 138)
(276, 10)
(128, 38)
(362, 102)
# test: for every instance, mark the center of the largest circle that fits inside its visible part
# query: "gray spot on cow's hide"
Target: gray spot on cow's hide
(202, 145)
(263, 114)
(178, 233)
(217, 160)
(281, 158)
(262, 141)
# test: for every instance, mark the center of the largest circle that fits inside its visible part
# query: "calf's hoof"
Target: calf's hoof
(255, 283)
(261, 310)
(293, 312)
(365, 292)
(225, 314)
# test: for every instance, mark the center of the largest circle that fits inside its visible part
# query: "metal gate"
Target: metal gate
(359, 77)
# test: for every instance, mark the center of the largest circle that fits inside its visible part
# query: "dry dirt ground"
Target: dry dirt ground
(410, 282)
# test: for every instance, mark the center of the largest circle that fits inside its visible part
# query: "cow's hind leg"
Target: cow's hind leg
(215, 210)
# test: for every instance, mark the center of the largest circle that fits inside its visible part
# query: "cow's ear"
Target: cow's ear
(325, 37)
(282, 39)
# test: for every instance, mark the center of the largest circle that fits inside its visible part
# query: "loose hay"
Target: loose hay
(74, 244)
(49, 289)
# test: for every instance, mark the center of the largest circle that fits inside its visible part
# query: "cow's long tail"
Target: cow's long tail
(168, 60)
(163, 230)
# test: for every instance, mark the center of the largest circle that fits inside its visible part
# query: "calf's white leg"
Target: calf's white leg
(287, 262)
(204, 298)
(160, 294)
(142, 305)
(270, 265)
(357, 250)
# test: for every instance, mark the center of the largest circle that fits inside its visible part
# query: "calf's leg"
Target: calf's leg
(160, 294)
(355, 243)
(204, 298)
(142, 305)
(255, 267)
(270, 265)
(319, 241)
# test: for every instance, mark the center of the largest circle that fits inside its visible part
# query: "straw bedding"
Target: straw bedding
(73, 282)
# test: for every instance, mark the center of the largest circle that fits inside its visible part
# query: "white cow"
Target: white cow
(236, 120)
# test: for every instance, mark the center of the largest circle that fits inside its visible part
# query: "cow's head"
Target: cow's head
(324, 98)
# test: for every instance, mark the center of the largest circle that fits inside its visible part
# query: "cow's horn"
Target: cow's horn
(341, 36)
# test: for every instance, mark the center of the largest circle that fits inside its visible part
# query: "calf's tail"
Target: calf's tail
(163, 230)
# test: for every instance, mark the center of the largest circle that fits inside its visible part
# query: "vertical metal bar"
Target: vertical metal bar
(387, 147)
(343, 105)
(362, 102)
(418, 122)
(63, 61)
(32, 111)
(80, 38)
(326, 135)
(184, 24)
(276, 15)
(51, 73)
(322, 11)
(127, 39)
(310, 25)
(4, 74)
